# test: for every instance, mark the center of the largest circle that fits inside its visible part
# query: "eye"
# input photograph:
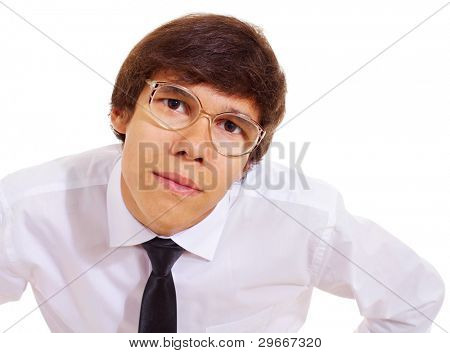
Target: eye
(229, 126)
(175, 104)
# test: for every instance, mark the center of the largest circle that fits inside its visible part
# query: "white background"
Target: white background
(381, 137)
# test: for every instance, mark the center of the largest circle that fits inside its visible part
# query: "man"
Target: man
(183, 226)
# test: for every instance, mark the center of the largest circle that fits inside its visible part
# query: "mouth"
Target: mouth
(177, 183)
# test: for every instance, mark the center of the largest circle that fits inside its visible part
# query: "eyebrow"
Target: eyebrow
(234, 110)
(181, 92)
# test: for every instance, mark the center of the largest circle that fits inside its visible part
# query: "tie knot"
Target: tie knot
(163, 254)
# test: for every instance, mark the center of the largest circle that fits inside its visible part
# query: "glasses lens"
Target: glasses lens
(234, 135)
(173, 107)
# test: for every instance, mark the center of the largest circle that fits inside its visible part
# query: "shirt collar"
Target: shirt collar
(125, 230)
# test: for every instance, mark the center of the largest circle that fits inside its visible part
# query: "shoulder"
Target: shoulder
(277, 182)
(84, 169)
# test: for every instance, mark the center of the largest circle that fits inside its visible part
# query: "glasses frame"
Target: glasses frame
(154, 85)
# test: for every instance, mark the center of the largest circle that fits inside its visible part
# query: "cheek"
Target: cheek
(140, 129)
(129, 166)
(148, 142)
(229, 170)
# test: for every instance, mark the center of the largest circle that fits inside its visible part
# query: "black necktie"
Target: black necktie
(159, 304)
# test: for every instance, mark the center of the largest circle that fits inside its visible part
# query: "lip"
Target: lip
(177, 182)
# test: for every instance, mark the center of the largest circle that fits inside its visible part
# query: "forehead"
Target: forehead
(213, 100)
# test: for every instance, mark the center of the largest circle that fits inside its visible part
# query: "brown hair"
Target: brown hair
(231, 55)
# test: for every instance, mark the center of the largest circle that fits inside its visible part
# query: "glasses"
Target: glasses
(174, 107)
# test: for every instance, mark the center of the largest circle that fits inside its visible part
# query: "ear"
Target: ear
(119, 119)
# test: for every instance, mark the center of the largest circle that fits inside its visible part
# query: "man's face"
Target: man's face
(189, 152)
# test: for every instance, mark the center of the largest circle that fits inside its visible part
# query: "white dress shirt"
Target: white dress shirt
(249, 266)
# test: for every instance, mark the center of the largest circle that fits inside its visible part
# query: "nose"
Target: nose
(194, 142)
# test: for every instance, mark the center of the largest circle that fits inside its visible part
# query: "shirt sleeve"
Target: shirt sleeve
(11, 284)
(395, 289)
